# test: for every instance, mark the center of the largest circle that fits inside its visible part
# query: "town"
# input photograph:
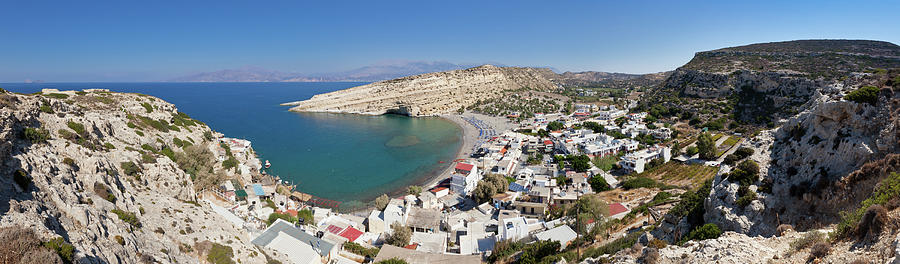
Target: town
(578, 183)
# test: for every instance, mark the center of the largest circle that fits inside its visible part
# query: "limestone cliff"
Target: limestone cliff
(428, 94)
(97, 169)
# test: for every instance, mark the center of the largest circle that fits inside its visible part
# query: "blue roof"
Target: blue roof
(257, 189)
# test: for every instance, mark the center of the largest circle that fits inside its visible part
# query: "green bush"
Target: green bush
(887, 190)
(706, 147)
(503, 249)
(745, 173)
(360, 250)
(120, 240)
(45, 107)
(127, 217)
(707, 231)
(599, 184)
(220, 254)
(108, 145)
(866, 94)
(275, 216)
(306, 215)
(130, 169)
(36, 135)
(400, 236)
(147, 107)
(77, 127)
(62, 248)
(57, 96)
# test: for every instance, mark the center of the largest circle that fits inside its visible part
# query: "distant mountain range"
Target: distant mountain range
(364, 74)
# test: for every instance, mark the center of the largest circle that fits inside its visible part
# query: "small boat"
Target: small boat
(441, 161)
(268, 164)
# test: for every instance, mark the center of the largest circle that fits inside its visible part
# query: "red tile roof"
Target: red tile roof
(464, 166)
(337, 230)
(412, 246)
(548, 142)
(438, 189)
(351, 233)
(617, 208)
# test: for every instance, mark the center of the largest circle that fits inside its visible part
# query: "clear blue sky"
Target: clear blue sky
(153, 40)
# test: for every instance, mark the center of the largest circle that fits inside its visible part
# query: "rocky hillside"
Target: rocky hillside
(766, 83)
(104, 175)
(428, 94)
(609, 80)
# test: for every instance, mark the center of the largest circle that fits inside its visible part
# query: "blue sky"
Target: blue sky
(154, 40)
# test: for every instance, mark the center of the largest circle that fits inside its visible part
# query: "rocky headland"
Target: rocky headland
(429, 94)
(115, 178)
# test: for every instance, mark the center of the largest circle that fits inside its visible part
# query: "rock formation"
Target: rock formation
(428, 94)
(64, 174)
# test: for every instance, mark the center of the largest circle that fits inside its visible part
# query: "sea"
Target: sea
(341, 157)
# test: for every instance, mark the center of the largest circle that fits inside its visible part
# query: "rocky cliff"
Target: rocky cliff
(769, 82)
(428, 94)
(98, 170)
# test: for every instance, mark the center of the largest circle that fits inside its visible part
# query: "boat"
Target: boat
(268, 164)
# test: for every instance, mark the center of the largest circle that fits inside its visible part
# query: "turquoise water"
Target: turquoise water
(343, 157)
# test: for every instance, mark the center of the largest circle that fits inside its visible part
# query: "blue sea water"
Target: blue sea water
(342, 157)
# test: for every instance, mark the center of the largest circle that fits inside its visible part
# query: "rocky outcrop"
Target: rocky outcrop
(428, 94)
(71, 182)
(808, 165)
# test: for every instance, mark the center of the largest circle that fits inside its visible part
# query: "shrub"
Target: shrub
(77, 127)
(108, 145)
(36, 135)
(147, 107)
(503, 249)
(220, 254)
(275, 216)
(120, 240)
(872, 223)
(414, 189)
(21, 245)
(598, 183)
(57, 96)
(69, 161)
(650, 256)
(101, 190)
(306, 215)
(707, 231)
(657, 243)
(400, 236)
(692, 150)
(866, 94)
(819, 250)
(62, 248)
(887, 190)
(45, 107)
(21, 179)
(129, 168)
(360, 250)
(807, 240)
(127, 217)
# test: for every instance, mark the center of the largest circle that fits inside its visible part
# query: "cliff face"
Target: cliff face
(428, 94)
(774, 81)
(97, 170)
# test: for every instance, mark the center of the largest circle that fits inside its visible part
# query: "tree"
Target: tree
(490, 185)
(599, 184)
(555, 125)
(400, 235)
(706, 147)
(581, 163)
(594, 126)
(414, 190)
(381, 202)
(707, 231)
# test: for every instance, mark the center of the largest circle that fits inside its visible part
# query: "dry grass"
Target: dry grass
(674, 173)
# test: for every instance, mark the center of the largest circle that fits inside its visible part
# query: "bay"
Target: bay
(343, 157)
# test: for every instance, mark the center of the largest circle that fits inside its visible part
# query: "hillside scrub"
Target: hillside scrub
(36, 135)
(886, 191)
(23, 246)
(706, 147)
(127, 217)
(866, 94)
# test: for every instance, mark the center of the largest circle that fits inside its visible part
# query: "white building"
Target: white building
(465, 178)
(637, 161)
(513, 228)
(562, 234)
